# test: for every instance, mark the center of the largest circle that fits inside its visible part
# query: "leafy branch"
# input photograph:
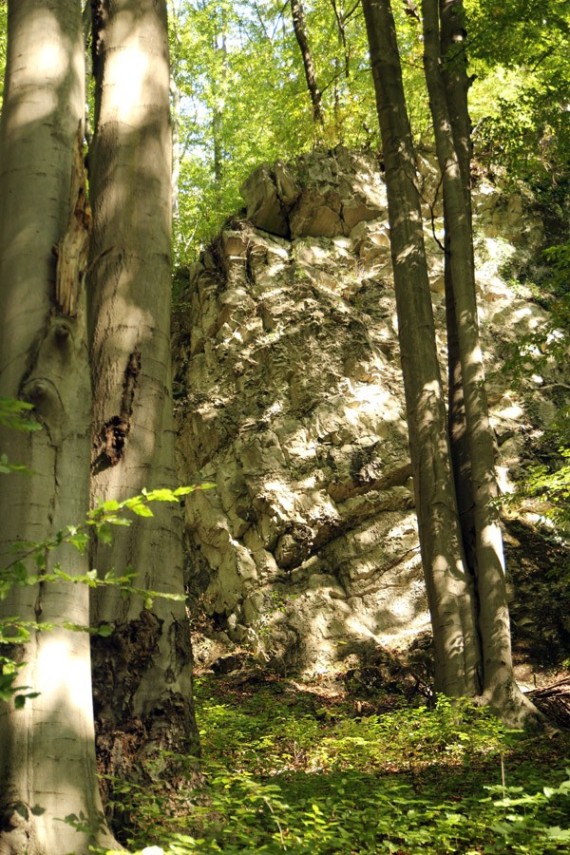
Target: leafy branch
(100, 522)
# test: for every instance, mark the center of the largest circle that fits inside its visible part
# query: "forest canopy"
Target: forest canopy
(242, 98)
(239, 95)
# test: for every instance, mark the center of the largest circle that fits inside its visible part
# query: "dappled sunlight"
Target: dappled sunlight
(300, 445)
(475, 357)
(283, 500)
(321, 766)
(491, 538)
(410, 250)
(35, 95)
(32, 110)
(440, 564)
(128, 68)
(135, 71)
(63, 675)
(41, 111)
(51, 743)
(129, 285)
(306, 441)
(371, 400)
(429, 403)
(526, 314)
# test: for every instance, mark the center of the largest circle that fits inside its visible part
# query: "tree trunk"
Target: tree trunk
(142, 672)
(219, 95)
(448, 584)
(454, 75)
(47, 749)
(499, 686)
(341, 19)
(300, 28)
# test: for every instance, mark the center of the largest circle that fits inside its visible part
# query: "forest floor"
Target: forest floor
(336, 766)
(366, 760)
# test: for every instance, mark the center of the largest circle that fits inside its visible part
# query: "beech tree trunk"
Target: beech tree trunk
(454, 76)
(448, 583)
(142, 672)
(300, 28)
(47, 749)
(499, 686)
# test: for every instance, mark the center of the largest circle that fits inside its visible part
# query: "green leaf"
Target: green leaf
(142, 511)
(110, 505)
(560, 834)
(37, 810)
(13, 633)
(105, 535)
(79, 540)
(183, 491)
(162, 495)
(15, 414)
(105, 630)
(20, 700)
(22, 810)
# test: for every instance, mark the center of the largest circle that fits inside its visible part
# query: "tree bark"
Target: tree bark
(47, 749)
(142, 672)
(454, 76)
(219, 94)
(341, 19)
(300, 28)
(499, 686)
(448, 584)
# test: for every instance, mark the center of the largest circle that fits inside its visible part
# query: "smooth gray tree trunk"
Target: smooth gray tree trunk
(47, 749)
(142, 673)
(448, 583)
(499, 686)
(454, 75)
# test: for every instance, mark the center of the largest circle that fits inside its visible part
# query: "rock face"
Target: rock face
(290, 399)
(325, 197)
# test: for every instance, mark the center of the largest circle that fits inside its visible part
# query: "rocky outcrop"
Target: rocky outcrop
(290, 399)
(324, 196)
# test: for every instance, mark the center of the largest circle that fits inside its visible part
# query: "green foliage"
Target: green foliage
(558, 258)
(242, 98)
(16, 415)
(552, 487)
(8, 676)
(286, 769)
(99, 523)
(519, 102)
(542, 356)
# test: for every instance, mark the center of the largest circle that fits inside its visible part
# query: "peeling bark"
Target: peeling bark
(73, 249)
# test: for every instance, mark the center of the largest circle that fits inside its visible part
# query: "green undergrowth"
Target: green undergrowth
(288, 768)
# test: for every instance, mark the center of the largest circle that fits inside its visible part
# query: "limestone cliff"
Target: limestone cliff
(290, 398)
